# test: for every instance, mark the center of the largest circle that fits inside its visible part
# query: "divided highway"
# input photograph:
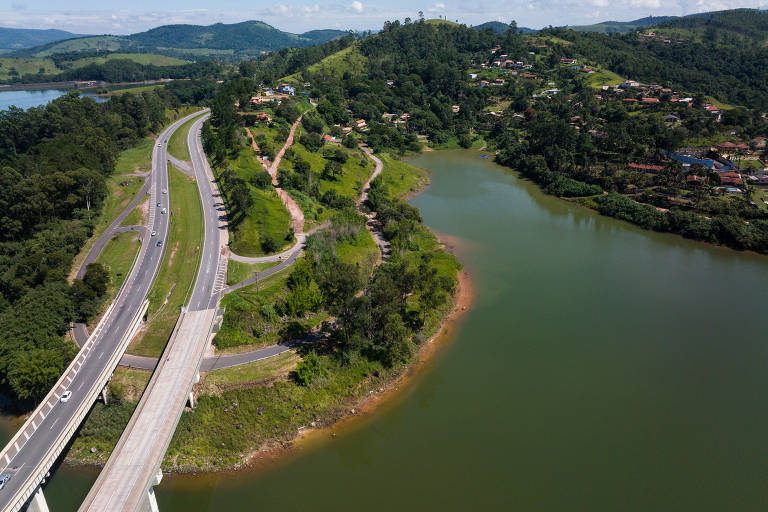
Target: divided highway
(127, 480)
(30, 454)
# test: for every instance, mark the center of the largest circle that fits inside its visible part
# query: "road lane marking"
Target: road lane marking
(54, 423)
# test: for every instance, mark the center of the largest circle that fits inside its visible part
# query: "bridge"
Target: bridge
(127, 481)
(31, 453)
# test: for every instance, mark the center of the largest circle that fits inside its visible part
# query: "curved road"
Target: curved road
(23, 460)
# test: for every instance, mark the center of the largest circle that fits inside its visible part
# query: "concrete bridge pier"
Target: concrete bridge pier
(150, 503)
(37, 502)
(104, 393)
(191, 397)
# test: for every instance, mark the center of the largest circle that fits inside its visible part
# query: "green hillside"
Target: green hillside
(16, 38)
(235, 41)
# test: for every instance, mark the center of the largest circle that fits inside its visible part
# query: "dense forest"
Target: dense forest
(55, 160)
(125, 70)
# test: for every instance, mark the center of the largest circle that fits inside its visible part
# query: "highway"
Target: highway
(30, 450)
(127, 480)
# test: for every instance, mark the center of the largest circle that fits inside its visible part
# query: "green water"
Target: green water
(602, 368)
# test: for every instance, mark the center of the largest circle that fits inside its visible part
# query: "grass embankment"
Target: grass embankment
(122, 188)
(139, 58)
(267, 217)
(348, 60)
(11, 67)
(237, 271)
(177, 144)
(603, 77)
(402, 180)
(138, 216)
(117, 257)
(105, 423)
(178, 268)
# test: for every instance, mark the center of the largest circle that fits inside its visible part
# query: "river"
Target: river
(36, 98)
(601, 368)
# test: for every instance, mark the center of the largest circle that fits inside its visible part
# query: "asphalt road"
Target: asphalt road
(40, 432)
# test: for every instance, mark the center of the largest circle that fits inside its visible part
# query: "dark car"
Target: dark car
(159, 243)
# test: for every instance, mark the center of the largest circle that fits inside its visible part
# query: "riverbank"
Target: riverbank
(361, 411)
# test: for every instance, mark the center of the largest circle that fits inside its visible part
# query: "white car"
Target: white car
(165, 191)
(65, 396)
(159, 145)
(154, 233)
(163, 211)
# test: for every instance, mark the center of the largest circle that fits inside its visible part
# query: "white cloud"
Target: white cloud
(356, 6)
(438, 7)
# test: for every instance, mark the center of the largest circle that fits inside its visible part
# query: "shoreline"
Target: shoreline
(360, 412)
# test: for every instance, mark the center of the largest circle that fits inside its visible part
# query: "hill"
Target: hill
(17, 38)
(234, 41)
(501, 28)
(621, 27)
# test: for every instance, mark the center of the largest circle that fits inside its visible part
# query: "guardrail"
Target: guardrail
(35, 479)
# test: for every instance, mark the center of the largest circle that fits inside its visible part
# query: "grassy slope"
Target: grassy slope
(25, 66)
(402, 179)
(177, 145)
(178, 269)
(603, 77)
(267, 216)
(347, 60)
(137, 217)
(237, 271)
(136, 159)
(140, 58)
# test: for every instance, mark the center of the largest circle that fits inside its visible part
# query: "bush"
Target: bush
(308, 369)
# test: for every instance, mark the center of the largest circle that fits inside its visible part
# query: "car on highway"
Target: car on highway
(163, 211)
(65, 396)
(159, 243)
(165, 191)
(158, 205)
(4, 479)
(159, 145)
(154, 233)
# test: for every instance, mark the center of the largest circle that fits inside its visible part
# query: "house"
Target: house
(498, 81)
(693, 179)
(671, 118)
(629, 100)
(645, 167)
(455, 109)
(758, 143)
(484, 83)
(628, 83)
(649, 101)
(360, 124)
(387, 116)
(330, 139)
(405, 116)
(391, 83)
(263, 117)
(472, 76)
(567, 61)
(286, 89)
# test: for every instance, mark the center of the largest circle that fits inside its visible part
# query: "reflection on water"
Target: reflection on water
(35, 98)
(601, 368)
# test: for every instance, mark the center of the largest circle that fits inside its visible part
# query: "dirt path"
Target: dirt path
(372, 223)
(297, 215)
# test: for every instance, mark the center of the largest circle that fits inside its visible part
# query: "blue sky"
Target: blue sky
(99, 17)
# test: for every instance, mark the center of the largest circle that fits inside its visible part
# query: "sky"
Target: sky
(98, 17)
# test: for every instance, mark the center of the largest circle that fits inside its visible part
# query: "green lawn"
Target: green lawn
(256, 371)
(267, 217)
(603, 77)
(137, 217)
(363, 251)
(348, 60)
(401, 178)
(177, 145)
(178, 269)
(238, 271)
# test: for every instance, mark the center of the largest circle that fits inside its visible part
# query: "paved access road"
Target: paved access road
(41, 431)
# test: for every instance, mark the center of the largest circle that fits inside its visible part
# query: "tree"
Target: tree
(309, 369)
